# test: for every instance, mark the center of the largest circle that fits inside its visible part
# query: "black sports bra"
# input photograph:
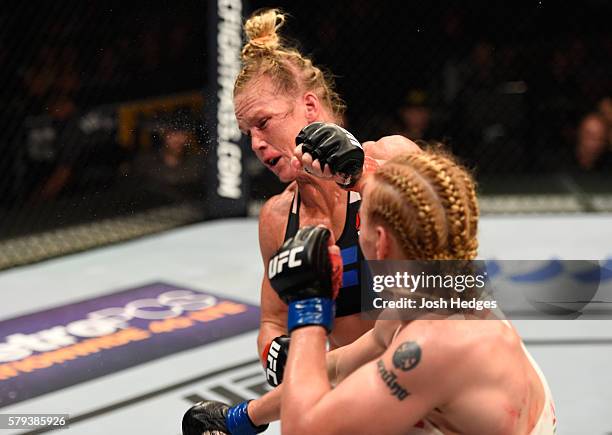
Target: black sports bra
(348, 301)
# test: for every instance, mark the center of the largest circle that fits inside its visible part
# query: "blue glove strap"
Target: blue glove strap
(238, 421)
(313, 311)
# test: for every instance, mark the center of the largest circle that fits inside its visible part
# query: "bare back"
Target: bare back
(490, 384)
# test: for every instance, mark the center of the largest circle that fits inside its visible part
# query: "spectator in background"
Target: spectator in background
(52, 177)
(487, 120)
(55, 71)
(593, 147)
(557, 104)
(173, 168)
(82, 155)
(415, 116)
(605, 109)
(474, 116)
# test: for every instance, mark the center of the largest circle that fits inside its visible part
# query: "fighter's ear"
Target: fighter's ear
(312, 107)
(383, 242)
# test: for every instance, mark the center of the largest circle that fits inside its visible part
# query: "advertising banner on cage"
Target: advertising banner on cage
(227, 183)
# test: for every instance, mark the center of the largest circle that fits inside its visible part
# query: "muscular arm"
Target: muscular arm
(382, 396)
(340, 363)
(273, 317)
(388, 147)
(272, 223)
(345, 360)
(378, 152)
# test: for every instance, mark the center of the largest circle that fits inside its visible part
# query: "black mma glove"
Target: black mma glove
(336, 147)
(210, 415)
(307, 277)
(275, 358)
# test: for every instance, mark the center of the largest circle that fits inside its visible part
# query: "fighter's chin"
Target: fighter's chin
(286, 174)
(286, 178)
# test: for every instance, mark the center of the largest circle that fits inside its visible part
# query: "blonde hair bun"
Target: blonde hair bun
(267, 54)
(262, 32)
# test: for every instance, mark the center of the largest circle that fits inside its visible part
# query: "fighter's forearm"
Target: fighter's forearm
(370, 166)
(267, 408)
(268, 331)
(343, 361)
(306, 380)
(377, 153)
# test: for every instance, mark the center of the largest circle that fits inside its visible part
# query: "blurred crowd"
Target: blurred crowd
(67, 72)
(101, 53)
(511, 89)
(521, 121)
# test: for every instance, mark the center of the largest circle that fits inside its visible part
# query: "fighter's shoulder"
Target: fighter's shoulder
(277, 206)
(421, 364)
(437, 339)
(273, 218)
(465, 343)
(389, 146)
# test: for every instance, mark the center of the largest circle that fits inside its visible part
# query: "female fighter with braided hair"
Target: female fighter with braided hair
(433, 375)
(277, 93)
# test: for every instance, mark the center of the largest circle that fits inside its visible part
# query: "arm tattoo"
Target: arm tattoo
(407, 356)
(389, 378)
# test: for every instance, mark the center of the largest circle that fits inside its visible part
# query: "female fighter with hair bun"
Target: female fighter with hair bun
(278, 93)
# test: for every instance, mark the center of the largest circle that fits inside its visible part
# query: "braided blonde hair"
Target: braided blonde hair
(429, 203)
(266, 53)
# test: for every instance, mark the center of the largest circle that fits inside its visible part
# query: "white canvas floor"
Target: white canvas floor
(223, 257)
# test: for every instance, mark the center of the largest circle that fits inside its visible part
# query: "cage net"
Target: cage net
(104, 138)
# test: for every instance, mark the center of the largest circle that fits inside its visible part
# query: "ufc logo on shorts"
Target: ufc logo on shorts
(277, 262)
(271, 366)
